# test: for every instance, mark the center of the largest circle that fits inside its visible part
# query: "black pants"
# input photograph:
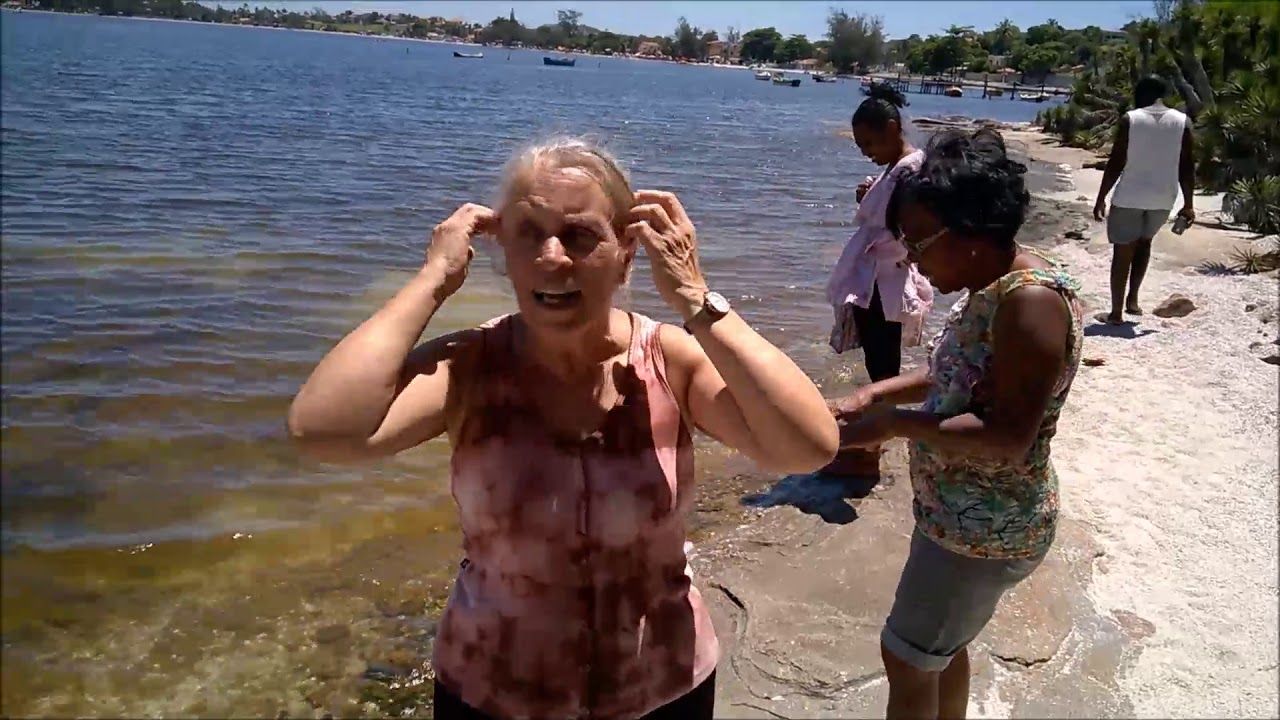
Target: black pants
(697, 704)
(881, 340)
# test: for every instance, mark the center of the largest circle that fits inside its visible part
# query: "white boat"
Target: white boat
(780, 79)
(1033, 97)
(762, 75)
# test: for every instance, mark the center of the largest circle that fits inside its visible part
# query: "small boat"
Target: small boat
(1033, 97)
(954, 91)
(823, 77)
(471, 56)
(559, 62)
(779, 79)
(762, 75)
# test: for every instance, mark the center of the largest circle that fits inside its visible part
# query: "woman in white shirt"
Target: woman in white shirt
(1152, 156)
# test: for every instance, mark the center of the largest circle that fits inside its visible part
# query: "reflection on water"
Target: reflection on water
(192, 215)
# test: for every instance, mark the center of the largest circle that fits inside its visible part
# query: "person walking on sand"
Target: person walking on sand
(570, 423)
(1153, 154)
(878, 296)
(985, 492)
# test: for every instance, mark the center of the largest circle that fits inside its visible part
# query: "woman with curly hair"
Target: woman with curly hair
(986, 495)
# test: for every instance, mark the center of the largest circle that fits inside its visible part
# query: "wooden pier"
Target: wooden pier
(991, 89)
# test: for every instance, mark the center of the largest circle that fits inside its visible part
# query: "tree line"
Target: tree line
(1220, 58)
(372, 23)
(1037, 51)
(852, 43)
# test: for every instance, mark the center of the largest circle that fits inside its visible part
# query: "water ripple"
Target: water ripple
(192, 215)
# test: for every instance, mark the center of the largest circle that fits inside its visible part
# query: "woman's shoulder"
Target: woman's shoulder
(1050, 275)
(909, 162)
(463, 350)
(678, 353)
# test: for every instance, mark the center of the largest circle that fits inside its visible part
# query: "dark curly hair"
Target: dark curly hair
(968, 181)
(881, 106)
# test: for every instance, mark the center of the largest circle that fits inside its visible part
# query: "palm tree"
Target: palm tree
(1004, 36)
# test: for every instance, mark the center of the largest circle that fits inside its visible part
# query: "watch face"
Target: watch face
(717, 303)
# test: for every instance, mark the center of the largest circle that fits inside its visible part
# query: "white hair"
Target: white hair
(574, 154)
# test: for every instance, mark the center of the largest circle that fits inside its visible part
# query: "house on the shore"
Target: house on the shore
(648, 48)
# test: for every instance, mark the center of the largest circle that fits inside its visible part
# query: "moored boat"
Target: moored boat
(954, 91)
(471, 56)
(780, 79)
(560, 61)
(762, 75)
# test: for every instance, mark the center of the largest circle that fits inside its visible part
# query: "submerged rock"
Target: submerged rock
(332, 633)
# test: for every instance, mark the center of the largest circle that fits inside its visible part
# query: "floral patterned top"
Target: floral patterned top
(976, 507)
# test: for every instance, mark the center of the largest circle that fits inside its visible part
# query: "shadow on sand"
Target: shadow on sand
(821, 494)
(1126, 330)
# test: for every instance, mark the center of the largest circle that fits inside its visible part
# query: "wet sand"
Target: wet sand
(1159, 598)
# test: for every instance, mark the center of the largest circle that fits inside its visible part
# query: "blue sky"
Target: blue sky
(659, 18)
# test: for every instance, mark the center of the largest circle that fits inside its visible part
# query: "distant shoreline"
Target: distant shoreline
(249, 26)
(462, 43)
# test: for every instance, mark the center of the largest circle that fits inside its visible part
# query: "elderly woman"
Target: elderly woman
(570, 422)
(986, 496)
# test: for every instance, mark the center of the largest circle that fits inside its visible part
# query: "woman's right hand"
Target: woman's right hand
(850, 406)
(450, 251)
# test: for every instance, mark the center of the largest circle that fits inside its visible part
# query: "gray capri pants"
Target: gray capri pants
(1128, 225)
(944, 600)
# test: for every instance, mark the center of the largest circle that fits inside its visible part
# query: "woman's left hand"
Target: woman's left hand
(873, 426)
(861, 191)
(659, 222)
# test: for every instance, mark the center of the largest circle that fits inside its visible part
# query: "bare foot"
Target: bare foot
(1111, 318)
(1132, 308)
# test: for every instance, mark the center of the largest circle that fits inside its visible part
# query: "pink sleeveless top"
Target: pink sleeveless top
(575, 598)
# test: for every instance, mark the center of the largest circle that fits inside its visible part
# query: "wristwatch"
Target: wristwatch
(714, 307)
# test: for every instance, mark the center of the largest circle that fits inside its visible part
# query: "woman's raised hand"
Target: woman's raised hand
(450, 251)
(659, 222)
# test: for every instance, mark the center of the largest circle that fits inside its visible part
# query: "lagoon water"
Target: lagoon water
(193, 214)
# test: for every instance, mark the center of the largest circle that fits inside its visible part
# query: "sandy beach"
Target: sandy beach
(1159, 598)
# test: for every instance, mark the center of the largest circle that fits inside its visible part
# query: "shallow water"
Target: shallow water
(193, 214)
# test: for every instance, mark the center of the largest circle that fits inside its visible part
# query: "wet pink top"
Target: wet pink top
(874, 259)
(575, 598)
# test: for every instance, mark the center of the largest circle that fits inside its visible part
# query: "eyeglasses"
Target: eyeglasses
(916, 248)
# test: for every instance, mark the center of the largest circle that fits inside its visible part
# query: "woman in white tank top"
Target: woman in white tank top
(1153, 155)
